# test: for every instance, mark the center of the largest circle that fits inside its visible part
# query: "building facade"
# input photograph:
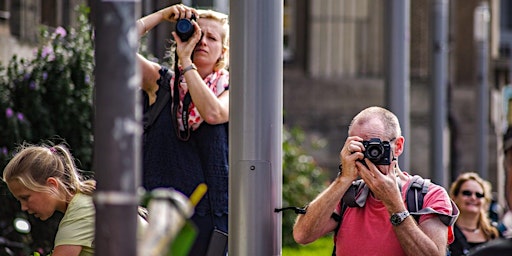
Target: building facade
(334, 66)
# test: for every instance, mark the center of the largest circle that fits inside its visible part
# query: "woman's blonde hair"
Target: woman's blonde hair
(483, 222)
(33, 165)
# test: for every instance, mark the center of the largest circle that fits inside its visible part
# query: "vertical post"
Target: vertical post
(117, 130)
(439, 80)
(396, 49)
(255, 127)
(481, 36)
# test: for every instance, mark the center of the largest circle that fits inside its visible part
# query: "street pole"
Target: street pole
(117, 127)
(396, 50)
(481, 36)
(439, 80)
(255, 127)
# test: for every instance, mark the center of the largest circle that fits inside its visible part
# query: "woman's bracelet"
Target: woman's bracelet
(192, 66)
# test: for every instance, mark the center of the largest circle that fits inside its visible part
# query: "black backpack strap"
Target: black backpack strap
(338, 218)
(415, 194)
(416, 191)
(163, 96)
(356, 194)
(348, 200)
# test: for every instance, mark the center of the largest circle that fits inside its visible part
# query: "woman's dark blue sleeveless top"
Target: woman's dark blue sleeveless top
(182, 165)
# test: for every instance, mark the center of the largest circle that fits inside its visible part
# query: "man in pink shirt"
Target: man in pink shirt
(382, 225)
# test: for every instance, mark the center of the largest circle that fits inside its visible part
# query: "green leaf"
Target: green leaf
(184, 240)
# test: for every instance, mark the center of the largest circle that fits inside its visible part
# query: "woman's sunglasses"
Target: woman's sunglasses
(470, 193)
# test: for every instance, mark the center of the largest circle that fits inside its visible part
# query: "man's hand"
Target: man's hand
(382, 181)
(351, 152)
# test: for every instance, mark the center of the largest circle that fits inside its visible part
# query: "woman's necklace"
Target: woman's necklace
(472, 230)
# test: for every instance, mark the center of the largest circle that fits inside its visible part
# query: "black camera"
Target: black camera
(379, 152)
(185, 29)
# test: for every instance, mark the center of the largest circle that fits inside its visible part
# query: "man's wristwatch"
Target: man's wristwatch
(398, 218)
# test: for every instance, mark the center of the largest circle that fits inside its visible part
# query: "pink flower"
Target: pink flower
(46, 51)
(9, 112)
(61, 31)
(20, 116)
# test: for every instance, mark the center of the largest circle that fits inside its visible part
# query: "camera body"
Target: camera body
(377, 151)
(185, 29)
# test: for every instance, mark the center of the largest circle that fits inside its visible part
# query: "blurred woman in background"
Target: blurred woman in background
(472, 194)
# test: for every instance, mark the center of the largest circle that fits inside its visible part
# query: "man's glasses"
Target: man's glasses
(470, 193)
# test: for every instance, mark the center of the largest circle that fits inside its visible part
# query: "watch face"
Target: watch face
(395, 219)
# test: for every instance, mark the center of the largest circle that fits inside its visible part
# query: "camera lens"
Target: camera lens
(183, 26)
(374, 152)
(184, 29)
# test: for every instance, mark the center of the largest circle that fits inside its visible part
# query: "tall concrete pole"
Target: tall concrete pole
(255, 127)
(117, 127)
(397, 54)
(481, 36)
(439, 85)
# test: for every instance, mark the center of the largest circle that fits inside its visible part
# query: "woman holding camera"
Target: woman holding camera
(187, 144)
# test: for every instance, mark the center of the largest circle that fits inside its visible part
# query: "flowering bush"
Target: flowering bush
(48, 99)
(50, 96)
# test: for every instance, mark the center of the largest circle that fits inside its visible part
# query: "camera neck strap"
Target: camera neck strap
(185, 134)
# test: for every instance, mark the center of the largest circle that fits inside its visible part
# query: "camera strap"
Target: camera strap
(182, 135)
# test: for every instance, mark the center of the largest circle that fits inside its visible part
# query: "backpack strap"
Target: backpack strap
(163, 96)
(351, 198)
(418, 188)
(338, 218)
(416, 191)
(356, 194)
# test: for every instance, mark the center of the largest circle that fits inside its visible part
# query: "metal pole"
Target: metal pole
(255, 127)
(481, 36)
(396, 48)
(117, 131)
(439, 107)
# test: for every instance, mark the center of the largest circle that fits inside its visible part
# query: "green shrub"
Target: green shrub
(303, 179)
